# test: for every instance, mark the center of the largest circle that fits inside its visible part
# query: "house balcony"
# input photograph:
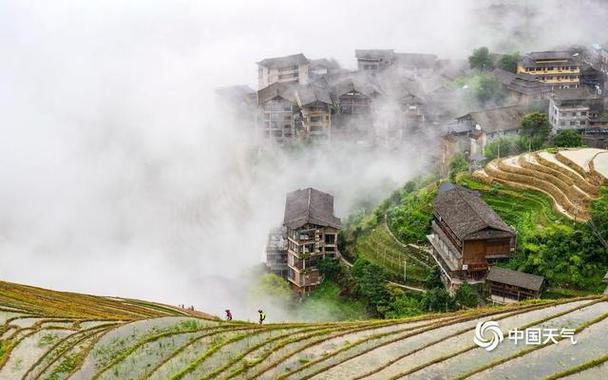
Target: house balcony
(448, 260)
(310, 277)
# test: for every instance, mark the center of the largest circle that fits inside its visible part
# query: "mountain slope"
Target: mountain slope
(57, 335)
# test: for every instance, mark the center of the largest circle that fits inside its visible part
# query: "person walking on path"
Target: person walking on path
(262, 316)
(228, 315)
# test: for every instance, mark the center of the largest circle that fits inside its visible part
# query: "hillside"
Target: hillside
(571, 177)
(556, 200)
(56, 335)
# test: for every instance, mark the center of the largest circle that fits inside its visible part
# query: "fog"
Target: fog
(120, 176)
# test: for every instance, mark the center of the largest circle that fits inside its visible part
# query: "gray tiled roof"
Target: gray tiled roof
(515, 278)
(468, 216)
(533, 57)
(312, 93)
(497, 119)
(282, 90)
(373, 53)
(580, 93)
(310, 206)
(288, 60)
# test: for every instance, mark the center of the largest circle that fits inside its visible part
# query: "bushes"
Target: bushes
(537, 126)
(465, 296)
(458, 164)
(508, 62)
(569, 255)
(371, 280)
(481, 59)
(329, 267)
(438, 299)
(411, 219)
(567, 138)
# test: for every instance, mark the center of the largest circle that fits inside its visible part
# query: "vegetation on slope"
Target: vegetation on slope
(570, 255)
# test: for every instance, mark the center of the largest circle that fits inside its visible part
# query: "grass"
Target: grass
(513, 204)
(326, 303)
(380, 248)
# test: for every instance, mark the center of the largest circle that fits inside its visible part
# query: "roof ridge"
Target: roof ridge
(309, 199)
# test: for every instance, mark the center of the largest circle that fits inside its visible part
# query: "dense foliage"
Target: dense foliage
(536, 125)
(481, 59)
(510, 145)
(571, 256)
(410, 220)
(567, 138)
(458, 164)
(508, 62)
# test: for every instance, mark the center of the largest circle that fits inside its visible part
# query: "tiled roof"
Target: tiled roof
(310, 206)
(515, 278)
(468, 216)
(288, 60)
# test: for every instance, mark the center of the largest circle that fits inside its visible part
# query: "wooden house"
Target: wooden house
(312, 231)
(467, 235)
(508, 286)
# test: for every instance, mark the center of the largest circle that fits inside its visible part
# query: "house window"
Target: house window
(330, 239)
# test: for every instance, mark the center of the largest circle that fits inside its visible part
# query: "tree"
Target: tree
(433, 279)
(503, 146)
(403, 306)
(329, 267)
(567, 138)
(508, 62)
(371, 280)
(438, 299)
(488, 90)
(465, 296)
(458, 164)
(481, 59)
(537, 126)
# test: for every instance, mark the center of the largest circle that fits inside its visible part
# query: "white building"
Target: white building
(288, 69)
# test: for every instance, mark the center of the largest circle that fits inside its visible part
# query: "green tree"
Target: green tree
(371, 281)
(481, 59)
(567, 138)
(503, 146)
(488, 90)
(458, 164)
(329, 267)
(466, 296)
(433, 279)
(403, 306)
(537, 126)
(508, 62)
(438, 299)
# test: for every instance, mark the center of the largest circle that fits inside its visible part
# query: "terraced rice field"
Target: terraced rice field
(570, 177)
(52, 335)
(379, 247)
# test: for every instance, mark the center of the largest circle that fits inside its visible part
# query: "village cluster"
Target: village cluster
(393, 97)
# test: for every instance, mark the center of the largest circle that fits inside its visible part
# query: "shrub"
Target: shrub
(466, 296)
(567, 138)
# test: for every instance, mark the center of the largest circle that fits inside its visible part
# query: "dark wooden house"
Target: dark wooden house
(467, 236)
(508, 286)
(312, 231)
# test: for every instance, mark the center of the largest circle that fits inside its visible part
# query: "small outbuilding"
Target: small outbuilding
(508, 285)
